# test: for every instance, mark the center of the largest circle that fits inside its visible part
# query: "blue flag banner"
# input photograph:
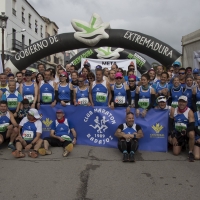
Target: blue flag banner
(96, 126)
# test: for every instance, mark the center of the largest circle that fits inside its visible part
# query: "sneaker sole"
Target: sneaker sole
(69, 147)
(65, 154)
(42, 151)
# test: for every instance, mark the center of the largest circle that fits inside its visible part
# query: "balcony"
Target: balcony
(29, 25)
(36, 30)
(23, 20)
(17, 45)
(14, 11)
(56, 60)
(42, 35)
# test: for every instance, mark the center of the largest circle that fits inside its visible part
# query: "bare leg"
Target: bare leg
(191, 136)
(38, 144)
(46, 144)
(1, 139)
(196, 152)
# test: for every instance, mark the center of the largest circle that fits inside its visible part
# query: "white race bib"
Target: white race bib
(180, 126)
(47, 97)
(143, 103)
(3, 127)
(83, 101)
(174, 104)
(29, 97)
(12, 102)
(120, 100)
(101, 97)
(28, 135)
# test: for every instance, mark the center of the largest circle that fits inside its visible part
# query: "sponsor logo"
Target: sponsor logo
(90, 33)
(106, 53)
(99, 124)
(47, 122)
(157, 128)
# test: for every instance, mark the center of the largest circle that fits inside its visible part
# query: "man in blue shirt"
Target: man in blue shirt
(29, 136)
(128, 134)
(60, 135)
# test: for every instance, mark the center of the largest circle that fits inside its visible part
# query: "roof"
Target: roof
(191, 37)
(48, 21)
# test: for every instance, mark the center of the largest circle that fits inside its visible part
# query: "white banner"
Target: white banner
(1, 65)
(196, 57)
(108, 63)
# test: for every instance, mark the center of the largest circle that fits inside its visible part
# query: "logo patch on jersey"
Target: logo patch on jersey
(46, 89)
(97, 89)
(47, 122)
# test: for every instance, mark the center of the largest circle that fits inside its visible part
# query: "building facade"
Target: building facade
(24, 27)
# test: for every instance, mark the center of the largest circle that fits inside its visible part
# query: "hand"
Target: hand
(63, 103)
(75, 103)
(15, 114)
(61, 139)
(174, 141)
(144, 112)
(92, 104)
(33, 105)
(127, 136)
(53, 104)
(137, 112)
(74, 141)
(89, 104)
(28, 147)
(111, 106)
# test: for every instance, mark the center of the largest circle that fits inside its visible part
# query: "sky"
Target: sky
(166, 20)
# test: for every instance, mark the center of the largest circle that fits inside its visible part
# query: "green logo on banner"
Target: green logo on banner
(106, 53)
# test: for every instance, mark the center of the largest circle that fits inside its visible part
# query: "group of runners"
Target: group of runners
(176, 89)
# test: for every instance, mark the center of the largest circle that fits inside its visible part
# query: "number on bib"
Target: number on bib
(143, 103)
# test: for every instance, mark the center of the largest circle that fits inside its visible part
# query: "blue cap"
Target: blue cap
(60, 111)
(98, 67)
(195, 71)
(177, 63)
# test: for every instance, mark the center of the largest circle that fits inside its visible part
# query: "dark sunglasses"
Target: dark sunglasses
(118, 78)
(131, 81)
(62, 76)
(89, 78)
(181, 73)
(27, 74)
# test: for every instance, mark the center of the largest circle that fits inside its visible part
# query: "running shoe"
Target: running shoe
(11, 146)
(125, 157)
(131, 157)
(191, 157)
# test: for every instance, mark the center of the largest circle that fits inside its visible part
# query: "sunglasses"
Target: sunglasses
(90, 78)
(80, 81)
(181, 73)
(118, 78)
(62, 76)
(27, 74)
(131, 81)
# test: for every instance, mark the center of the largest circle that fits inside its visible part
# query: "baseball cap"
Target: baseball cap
(118, 74)
(34, 113)
(86, 63)
(64, 73)
(132, 76)
(184, 98)
(161, 99)
(98, 67)
(195, 71)
(28, 72)
(176, 63)
(9, 75)
(60, 111)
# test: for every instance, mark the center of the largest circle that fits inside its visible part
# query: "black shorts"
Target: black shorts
(197, 144)
(54, 142)
(4, 135)
(128, 144)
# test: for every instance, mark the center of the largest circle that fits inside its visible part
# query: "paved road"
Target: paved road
(97, 173)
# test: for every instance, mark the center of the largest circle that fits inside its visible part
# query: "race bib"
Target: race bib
(120, 100)
(174, 104)
(3, 127)
(143, 103)
(180, 126)
(83, 101)
(28, 135)
(101, 97)
(198, 105)
(66, 137)
(12, 102)
(29, 97)
(46, 97)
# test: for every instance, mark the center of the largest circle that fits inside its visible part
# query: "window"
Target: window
(29, 42)
(23, 41)
(29, 20)
(41, 27)
(14, 7)
(36, 26)
(55, 31)
(23, 18)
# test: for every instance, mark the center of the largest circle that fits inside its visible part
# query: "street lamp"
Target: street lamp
(3, 24)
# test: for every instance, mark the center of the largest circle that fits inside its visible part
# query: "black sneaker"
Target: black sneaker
(131, 157)
(191, 157)
(125, 157)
